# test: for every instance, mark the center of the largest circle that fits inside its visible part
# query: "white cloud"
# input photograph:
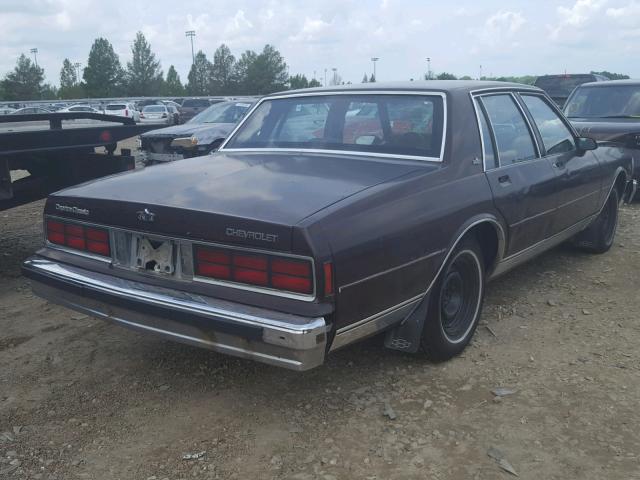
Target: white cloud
(573, 21)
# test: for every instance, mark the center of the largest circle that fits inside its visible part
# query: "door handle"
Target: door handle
(504, 179)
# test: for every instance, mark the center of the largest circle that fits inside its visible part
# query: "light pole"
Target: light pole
(325, 77)
(480, 78)
(35, 55)
(335, 75)
(374, 60)
(428, 68)
(191, 34)
(77, 65)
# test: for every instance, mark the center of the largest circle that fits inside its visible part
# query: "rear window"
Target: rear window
(154, 109)
(195, 103)
(383, 124)
(116, 107)
(225, 112)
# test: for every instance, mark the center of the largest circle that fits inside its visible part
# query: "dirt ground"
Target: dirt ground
(82, 399)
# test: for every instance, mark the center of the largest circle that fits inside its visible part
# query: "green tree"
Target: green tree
(365, 79)
(314, 83)
(103, 75)
(241, 71)
(200, 75)
(372, 79)
(267, 73)
(612, 76)
(466, 77)
(222, 69)
(172, 85)
(69, 85)
(446, 76)
(143, 75)
(24, 82)
(298, 81)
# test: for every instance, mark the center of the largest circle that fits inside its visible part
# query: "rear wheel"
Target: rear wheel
(598, 237)
(455, 303)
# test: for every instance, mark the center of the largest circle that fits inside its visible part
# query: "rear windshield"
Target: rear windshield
(196, 103)
(225, 112)
(562, 85)
(610, 101)
(116, 107)
(383, 124)
(154, 109)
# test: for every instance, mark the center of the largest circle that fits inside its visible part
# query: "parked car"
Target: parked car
(123, 110)
(79, 108)
(30, 110)
(608, 112)
(559, 87)
(190, 107)
(157, 114)
(6, 110)
(201, 135)
(173, 110)
(286, 245)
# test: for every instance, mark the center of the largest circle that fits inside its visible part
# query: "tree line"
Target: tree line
(252, 73)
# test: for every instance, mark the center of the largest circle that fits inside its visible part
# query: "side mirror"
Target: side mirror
(586, 143)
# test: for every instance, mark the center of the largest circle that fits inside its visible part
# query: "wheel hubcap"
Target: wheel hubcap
(459, 296)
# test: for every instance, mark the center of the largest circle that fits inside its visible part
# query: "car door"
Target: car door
(579, 178)
(523, 183)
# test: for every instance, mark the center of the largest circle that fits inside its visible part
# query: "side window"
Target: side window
(557, 138)
(487, 141)
(513, 138)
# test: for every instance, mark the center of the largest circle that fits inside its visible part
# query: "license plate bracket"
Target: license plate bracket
(154, 255)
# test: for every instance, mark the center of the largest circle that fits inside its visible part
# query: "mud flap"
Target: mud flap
(406, 336)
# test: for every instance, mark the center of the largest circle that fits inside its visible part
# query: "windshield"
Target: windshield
(154, 109)
(384, 124)
(562, 85)
(610, 101)
(116, 107)
(226, 112)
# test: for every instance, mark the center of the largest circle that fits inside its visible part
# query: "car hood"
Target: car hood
(606, 129)
(191, 195)
(204, 132)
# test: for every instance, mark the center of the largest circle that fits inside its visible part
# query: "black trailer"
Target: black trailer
(58, 150)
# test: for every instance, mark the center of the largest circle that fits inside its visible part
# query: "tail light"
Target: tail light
(79, 237)
(141, 115)
(269, 271)
(164, 115)
(126, 112)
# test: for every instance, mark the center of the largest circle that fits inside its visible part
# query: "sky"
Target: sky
(465, 37)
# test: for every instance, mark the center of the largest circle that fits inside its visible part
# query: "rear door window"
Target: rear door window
(556, 137)
(513, 137)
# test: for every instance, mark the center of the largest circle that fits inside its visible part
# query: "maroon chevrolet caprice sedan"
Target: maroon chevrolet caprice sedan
(329, 215)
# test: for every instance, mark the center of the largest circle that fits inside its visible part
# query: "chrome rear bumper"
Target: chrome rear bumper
(276, 338)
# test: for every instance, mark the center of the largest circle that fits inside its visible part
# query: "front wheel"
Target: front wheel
(455, 303)
(599, 235)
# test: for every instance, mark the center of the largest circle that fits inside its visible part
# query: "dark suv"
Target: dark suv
(559, 87)
(192, 106)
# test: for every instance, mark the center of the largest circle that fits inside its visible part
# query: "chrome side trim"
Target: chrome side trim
(397, 313)
(389, 270)
(528, 253)
(443, 95)
(374, 324)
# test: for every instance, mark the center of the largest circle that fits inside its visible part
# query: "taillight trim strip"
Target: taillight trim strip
(308, 297)
(184, 242)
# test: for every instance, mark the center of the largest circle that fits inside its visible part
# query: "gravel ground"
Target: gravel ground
(82, 399)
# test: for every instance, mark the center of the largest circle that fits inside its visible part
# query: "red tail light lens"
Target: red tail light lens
(270, 271)
(328, 279)
(79, 237)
